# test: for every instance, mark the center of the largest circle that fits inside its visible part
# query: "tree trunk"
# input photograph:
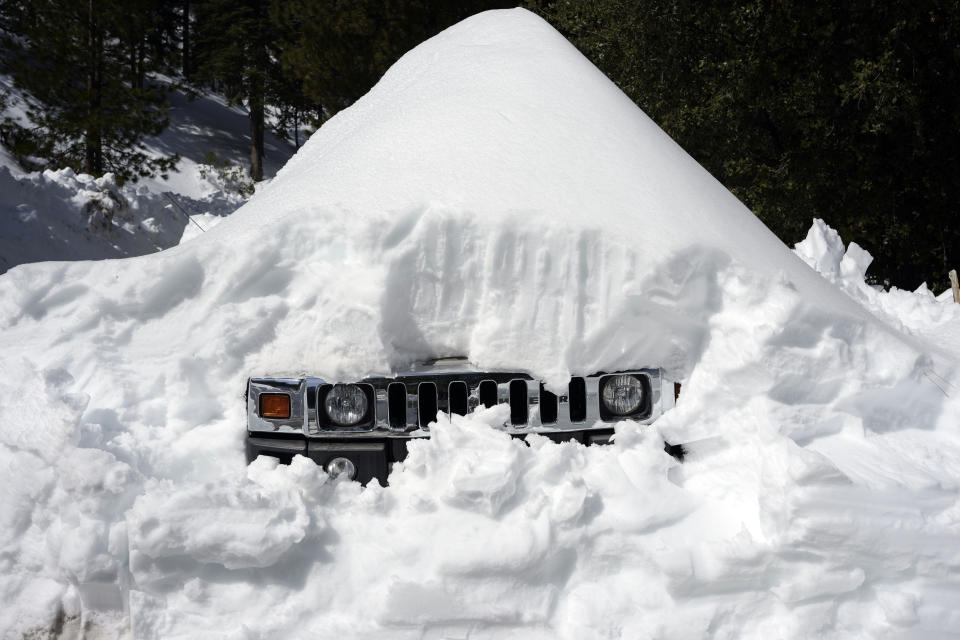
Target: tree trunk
(141, 59)
(257, 70)
(133, 64)
(186, 38)
(93, 158)
(256, 132)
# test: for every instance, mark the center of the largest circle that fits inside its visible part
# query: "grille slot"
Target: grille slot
(426, 403)
(457, 394)
(488, 393)
(519, 409)
(548, 406)
(397, 405)
(578, 399)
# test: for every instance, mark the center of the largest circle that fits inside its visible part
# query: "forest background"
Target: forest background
(845, 111)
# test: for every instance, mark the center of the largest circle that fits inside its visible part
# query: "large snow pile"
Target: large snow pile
(493, 196)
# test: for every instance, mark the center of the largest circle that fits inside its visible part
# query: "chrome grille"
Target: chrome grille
(410, 403)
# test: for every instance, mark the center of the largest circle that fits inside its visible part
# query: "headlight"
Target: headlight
(346, 404)
(622, 395)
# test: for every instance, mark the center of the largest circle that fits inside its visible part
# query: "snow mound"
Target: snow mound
(493, 196)
(918, 313)
(69, 216)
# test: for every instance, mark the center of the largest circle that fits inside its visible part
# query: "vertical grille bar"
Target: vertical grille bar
(457, 394)
(578, 399)
(548, 406)
(382, 413)
(518, 402)
(426, 403)
(397, 405)
(488, 393)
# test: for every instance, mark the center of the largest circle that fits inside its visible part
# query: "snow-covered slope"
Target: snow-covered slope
(207, 127)
(59, 215)
(493, 196)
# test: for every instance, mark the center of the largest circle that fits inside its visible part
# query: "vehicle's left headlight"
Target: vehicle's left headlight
(346, 404)
(622, 395)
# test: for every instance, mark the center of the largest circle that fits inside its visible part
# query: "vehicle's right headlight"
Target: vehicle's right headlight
(346, 404)
(622, 395)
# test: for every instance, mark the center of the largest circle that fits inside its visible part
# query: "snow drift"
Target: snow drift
(62, 215)
(493, 196)
(68, 216)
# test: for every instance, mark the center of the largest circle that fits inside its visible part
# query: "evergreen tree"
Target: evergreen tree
(186, 50)
(339, 50)
(84, 70)
(848, 112)
(234, 51)
(293, 110)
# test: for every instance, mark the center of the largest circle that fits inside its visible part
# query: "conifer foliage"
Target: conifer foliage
(843, 111)
(84, 67)
(236, 52)
(338, 50)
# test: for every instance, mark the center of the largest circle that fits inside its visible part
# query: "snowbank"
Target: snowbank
(67, 216)
(919, 313)
(493, 196)
(60, 215)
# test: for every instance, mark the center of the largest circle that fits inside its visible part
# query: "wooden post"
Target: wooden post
(955, 284)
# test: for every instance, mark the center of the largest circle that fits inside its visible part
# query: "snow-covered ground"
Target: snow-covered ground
(59, 215)
(493, 196)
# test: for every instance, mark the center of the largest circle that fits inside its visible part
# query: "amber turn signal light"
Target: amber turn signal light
(274, 405)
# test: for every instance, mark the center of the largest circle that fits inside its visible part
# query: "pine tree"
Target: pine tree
(186, 50)
(234, 51)
(847, 112)
(84, 70)
(294, 111)
(339, 50)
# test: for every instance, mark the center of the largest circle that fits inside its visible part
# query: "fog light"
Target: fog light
(342, 467)
(274, 405)
(622, 395)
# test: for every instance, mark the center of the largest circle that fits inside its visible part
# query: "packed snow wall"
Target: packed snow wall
(493, 196)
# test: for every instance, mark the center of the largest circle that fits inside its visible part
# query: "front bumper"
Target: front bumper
(373, 457)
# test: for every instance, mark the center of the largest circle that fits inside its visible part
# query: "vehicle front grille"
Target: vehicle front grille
(411, 403)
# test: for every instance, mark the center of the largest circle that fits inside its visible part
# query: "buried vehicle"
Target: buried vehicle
(360, 429)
